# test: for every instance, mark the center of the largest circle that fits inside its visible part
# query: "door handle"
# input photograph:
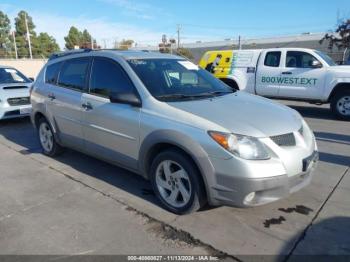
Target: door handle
(51, 96)
(87, 106)
(287, 73)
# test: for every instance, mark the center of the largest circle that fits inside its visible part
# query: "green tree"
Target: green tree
(45, 45)
(5, 29)
(74, 38)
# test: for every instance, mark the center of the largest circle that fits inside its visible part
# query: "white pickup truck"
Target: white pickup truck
(284, 73)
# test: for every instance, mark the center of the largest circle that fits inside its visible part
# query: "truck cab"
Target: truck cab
(288, 73)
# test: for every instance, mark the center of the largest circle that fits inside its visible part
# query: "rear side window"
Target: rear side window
(52, 73)
(273, 59)
(107, 77)
(73, 73)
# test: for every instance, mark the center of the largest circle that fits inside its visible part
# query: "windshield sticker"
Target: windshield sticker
(188, 65)
(138, 62)
(9, 70)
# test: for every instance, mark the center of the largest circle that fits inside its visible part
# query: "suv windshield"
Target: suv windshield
(171, 79)
(326, 58)
(11, 75)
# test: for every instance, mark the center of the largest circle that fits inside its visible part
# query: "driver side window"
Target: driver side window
(297, 59)
(108, 77)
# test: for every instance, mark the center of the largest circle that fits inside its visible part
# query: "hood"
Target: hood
(245, 114)
(342, 69)
(14, 90)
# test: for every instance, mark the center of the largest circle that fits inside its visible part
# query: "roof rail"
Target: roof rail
(67, 53)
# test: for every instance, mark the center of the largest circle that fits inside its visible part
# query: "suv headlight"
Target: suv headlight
(245, 147)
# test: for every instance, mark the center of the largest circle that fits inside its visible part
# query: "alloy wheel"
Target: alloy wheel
(173, 183)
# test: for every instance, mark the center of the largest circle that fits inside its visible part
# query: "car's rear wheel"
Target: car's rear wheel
(47, 139)
(340, 105)
(176, 182)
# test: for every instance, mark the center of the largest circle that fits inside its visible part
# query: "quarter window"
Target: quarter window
(52, 73)
(297, 59)
(108, 77)
(273, 59)
(73, 73)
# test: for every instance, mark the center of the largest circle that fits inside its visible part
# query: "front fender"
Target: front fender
(182, 141)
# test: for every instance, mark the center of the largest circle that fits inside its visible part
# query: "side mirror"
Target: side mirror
(126, 98)
(32, 79)
(316, 64)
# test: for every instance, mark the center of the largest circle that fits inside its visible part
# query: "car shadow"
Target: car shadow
(334, 159)
(333, 138)
(314, 112)
(21, 132)
(326, 240)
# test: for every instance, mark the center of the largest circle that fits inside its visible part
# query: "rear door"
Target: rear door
(300, 78)
(268, 73)
(111, 130)
(64, 98)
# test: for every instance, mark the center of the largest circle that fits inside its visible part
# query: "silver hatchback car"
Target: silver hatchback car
(160, 116)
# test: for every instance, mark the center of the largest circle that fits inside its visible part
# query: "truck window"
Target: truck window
(297, 59)
(272, 59)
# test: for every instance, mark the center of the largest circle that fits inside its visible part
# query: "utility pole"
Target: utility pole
(92, 43)
(178, 35)
(239, 43)
(28, 37)
(104, 43)
(14, 43)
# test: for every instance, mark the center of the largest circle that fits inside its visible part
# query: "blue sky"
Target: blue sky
(202, 20)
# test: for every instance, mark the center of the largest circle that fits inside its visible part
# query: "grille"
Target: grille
(284, 140)
(19, 101)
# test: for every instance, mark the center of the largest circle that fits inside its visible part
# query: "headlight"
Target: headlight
(245, 147)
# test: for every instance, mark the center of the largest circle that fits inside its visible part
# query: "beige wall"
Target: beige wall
(30, 68)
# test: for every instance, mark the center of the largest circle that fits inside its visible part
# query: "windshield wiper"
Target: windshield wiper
(172, 96)
(216, 93)
(192, 96)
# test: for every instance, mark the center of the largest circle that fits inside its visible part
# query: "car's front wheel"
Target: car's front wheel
(340, 105)
(176, 182)
(47, 139)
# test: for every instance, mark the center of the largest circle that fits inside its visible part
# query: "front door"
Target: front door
(268, 74)
(300, 77)
(111, 130)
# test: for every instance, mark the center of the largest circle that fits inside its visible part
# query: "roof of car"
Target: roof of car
(126, 54)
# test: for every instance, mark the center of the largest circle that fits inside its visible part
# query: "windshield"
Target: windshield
(171, 79)
(326, 58)
(11, 75)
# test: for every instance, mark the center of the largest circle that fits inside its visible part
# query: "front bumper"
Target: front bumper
(7, 111)
(243, 191)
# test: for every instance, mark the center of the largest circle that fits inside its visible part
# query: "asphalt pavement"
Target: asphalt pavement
(75, 204)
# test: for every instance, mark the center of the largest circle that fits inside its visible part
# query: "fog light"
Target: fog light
(249, 198)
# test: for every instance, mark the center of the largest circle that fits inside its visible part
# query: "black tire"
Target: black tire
(335, 102)
(56, 149)
(197, 198)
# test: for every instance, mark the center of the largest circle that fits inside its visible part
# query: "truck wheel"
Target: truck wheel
(176, 182)
(47, 139)
(340, 105)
